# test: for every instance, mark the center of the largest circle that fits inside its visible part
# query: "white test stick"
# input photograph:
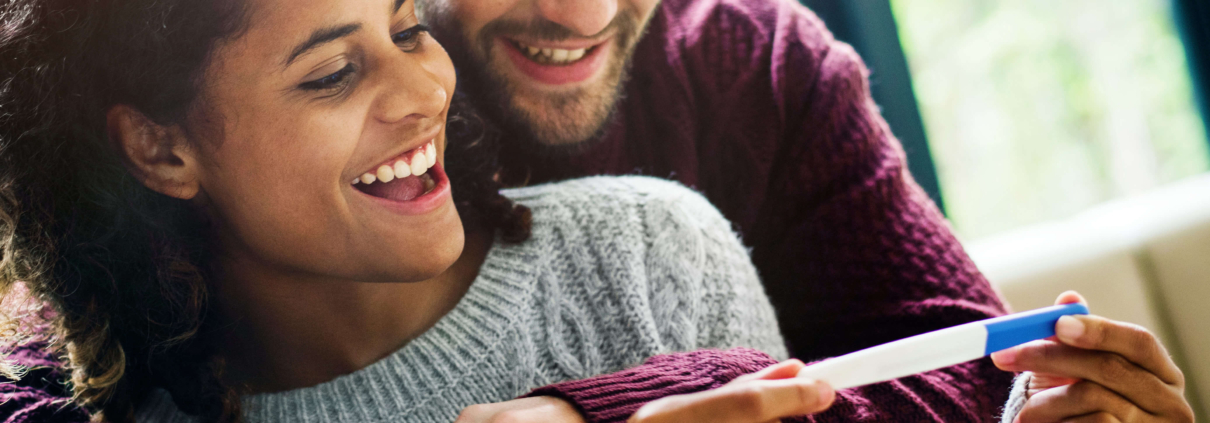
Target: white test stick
(938, 349)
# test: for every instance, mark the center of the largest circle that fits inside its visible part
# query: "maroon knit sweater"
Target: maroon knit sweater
(755, 104)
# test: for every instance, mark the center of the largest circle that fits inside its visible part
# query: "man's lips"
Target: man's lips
(559, 74)
(563, 44)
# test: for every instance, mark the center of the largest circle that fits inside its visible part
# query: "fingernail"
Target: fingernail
(1005, 357)
(826, 393)
(1069, 329)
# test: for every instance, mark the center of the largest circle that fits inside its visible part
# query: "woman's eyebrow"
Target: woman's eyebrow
(398, 4)
(320, 37)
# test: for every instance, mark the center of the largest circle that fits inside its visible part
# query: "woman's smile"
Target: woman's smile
(412, 194)
(414, 162)
(411, 182)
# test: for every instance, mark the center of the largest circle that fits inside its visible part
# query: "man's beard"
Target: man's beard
(571, 119)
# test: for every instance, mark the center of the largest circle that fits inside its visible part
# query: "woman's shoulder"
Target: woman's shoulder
(617, 195)
(646, 216)
(600, 185)
(634, 260)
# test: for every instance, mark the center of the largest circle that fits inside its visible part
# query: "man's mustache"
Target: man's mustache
(541, 29)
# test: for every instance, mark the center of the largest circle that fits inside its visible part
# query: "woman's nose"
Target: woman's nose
(584, 17)
(413, 90)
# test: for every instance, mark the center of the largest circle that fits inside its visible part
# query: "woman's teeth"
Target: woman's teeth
(554, 56)
(414, 164)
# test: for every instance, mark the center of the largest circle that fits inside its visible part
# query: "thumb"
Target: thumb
(1069, 297)
(782, 370)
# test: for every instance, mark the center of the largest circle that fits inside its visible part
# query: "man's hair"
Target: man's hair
(117, 273)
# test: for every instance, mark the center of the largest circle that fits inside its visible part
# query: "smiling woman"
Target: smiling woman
(305, 128)
(231, 208)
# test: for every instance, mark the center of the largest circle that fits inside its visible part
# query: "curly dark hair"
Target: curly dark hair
(117, 271)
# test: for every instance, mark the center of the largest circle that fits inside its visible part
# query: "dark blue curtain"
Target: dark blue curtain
(1193, 19)
(869, 26)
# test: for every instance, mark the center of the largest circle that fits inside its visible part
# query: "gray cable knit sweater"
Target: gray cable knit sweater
(618, 269)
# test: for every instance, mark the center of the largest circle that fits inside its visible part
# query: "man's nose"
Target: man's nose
(584, 17)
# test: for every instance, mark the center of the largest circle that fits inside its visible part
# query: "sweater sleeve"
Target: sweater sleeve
(40, 395)
(613, 398)
(1017, 398)
(853, 253)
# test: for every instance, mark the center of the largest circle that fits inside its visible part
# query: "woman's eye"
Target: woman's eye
(408, 39)
(333, 81)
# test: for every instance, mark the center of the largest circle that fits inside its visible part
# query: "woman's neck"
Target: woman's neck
(287, 334)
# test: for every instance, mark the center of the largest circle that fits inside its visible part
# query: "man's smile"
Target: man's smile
(557, 63)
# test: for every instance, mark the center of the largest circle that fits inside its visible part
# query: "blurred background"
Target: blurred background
(1067, 143)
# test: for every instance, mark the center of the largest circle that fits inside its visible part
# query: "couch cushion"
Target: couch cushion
(1180, 262)
(1109, 278)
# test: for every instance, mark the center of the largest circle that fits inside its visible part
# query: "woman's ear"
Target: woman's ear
(158, 156)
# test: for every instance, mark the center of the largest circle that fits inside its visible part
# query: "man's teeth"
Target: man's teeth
(415, 164)
(556, 56)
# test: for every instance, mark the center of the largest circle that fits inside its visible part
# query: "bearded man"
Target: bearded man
(755, 104)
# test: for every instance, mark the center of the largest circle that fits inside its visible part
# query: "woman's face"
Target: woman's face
(313, 96)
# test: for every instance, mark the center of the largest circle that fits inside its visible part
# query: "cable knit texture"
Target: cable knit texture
(617, 270)
(754, 103)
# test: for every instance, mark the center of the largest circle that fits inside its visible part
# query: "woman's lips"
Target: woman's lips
(403, 178)
(411, 195)
(586, 67)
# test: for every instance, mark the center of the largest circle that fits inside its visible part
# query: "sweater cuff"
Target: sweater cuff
(615, 397)
(1017, 397)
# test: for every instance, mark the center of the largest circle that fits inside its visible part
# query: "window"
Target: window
(1035, 110)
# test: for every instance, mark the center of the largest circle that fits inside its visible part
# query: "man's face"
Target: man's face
(549, 68)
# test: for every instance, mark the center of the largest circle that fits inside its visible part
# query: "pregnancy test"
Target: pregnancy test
(938, 349)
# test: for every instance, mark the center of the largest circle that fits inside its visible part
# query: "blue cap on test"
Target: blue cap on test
(1009, 332)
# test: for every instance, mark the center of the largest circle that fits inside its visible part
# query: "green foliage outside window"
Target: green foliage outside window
(1038, 109)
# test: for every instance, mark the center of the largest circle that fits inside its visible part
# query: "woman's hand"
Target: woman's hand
(761, 397)
(533, 409)
(1098, 370)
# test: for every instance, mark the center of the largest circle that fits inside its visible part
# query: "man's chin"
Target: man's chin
(565, 125)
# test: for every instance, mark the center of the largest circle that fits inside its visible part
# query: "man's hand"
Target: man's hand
(1098, 370)
(524, 410)
(761, 397)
